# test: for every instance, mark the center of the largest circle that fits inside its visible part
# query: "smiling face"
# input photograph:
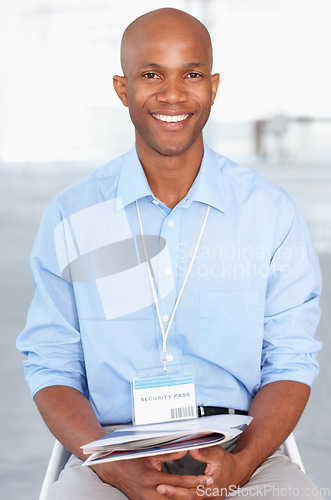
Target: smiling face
(168, 86)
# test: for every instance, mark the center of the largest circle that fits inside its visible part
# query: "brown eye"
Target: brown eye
(150, 75)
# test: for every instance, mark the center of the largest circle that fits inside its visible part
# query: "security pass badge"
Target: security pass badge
(164, 398)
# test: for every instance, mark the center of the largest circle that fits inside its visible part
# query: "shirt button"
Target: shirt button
(169, 357)
(156, 202)
(170, 223)
(168, 270)
(165, 318)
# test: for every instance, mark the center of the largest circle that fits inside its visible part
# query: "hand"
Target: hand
(139, 478)
(223, 467)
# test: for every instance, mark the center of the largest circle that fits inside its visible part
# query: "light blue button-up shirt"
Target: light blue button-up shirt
(247, 315)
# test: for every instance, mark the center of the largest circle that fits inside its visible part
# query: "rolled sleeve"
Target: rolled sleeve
(292, 312)
(51, 339)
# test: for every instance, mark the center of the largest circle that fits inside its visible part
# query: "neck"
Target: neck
(170, 177)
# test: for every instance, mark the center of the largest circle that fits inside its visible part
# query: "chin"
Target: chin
(172, 149)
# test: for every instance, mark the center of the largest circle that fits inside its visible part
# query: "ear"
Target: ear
(215, 80)
(119, 83)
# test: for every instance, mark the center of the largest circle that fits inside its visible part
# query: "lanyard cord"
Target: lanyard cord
(149, 267)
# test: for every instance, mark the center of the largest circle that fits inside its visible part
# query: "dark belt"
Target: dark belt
(206, 411)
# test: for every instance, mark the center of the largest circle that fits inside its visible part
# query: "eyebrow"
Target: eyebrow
(182, 66)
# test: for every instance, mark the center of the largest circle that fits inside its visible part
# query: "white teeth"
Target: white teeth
(170, 119)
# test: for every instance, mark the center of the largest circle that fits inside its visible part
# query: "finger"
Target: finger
(173, 456)
(207, 455)
(187, 482)
(158, 460)
(168, 457)
(185, 493)
(153, 477)
(176, 493)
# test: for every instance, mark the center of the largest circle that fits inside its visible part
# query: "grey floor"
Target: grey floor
(24, 193)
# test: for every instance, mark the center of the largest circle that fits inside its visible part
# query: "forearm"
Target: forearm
(276, 409)
(69, 416)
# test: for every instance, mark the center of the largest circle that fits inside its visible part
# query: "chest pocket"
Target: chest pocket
(230, 327)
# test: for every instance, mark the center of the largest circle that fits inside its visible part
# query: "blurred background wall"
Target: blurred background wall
(60, 118)
(57, 59)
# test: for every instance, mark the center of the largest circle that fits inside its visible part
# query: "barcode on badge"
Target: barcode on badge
(185, 412)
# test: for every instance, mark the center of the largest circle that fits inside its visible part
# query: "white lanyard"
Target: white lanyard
(166, 333)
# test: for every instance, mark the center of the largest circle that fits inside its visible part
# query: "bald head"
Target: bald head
(162, 25)
(167, 85)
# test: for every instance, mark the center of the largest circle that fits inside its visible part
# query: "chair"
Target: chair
(60, 455)
(292, 451)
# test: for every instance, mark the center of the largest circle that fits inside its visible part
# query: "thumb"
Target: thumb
(157, 460)
(208, 454)
(167, 457)
(199, 454)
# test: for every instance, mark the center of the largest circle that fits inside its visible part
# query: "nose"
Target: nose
(172, 92)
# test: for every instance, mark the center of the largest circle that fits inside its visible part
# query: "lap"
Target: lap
(82, 483)
(277, 477)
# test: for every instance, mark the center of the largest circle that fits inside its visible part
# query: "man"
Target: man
(246, 314)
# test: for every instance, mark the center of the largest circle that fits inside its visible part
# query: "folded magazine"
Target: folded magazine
(136, 441)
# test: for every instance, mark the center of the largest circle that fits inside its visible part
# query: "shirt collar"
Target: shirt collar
(132, 183)
(207, 187)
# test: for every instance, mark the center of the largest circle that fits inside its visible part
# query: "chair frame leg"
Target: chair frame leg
(59, 457)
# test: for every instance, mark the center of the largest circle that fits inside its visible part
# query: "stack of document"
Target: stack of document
(136, 441)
